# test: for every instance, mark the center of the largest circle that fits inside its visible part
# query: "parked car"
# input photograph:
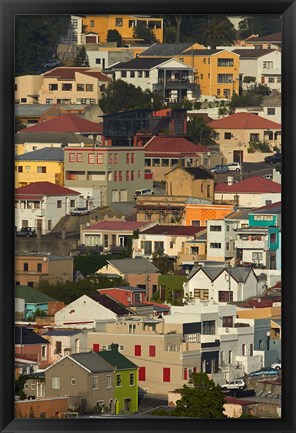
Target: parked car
(52, 63)
(78, 211)
(219, 169)
(274, 159)
(276, 365)
(266, 370)
(234, 384)
(267, 176)
(234, 166)
(26, 232)
(144, 191)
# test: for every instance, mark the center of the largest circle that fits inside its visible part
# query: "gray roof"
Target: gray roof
(199, 173)
(134, 266)
(24, 110)
(63, 332)
(252, 53)
(92, 362)
(45, 154)
(239, 273)
(167, 50)
(140, 63)
(204, 52)
(50, 137)
(238, 214)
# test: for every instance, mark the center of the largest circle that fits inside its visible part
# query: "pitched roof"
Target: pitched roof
(244, 121)
(252, 53)
(62, 332)
(270, 208)
(31, 295)
(199, 173)
(112, 304)
(166, 50)
(113, 357)
(50, 137)
(37, 190)
(67, 123)
(116, 225)
(255, 184)
(92, 362)
(142, 63)
(68, 73)
(24, 335)
(134, 266)
(45, 154)
(204, 53)
(172, 145)
(238, 273)
(24, 110)
(173, 230)
(274, 37)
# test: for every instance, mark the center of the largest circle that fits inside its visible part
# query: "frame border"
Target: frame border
(8, 10)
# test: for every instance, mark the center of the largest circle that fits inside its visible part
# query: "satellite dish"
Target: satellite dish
(87, 224)
(227, 330)
(259, 299)
(44, 259)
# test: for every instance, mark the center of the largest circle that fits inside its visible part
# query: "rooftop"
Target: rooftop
(45, 154)
(31, 295)
(68, 73)
(66, 123)
(244, 121)
(116, 226)
(37, 190)
(172, 230)
(255, 184)
(173, 145)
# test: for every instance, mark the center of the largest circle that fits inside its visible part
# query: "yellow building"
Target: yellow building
(43, 165)
(124, 24)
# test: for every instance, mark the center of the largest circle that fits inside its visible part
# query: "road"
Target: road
(249, 169)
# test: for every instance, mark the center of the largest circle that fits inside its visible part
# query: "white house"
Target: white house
(65, 342)
(252, 192)
(84, 313)
(42, 204)
(220, 240)
(220, 284)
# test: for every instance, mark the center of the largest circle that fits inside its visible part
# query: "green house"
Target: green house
(125, 380)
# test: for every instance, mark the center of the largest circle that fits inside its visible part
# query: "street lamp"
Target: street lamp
(268, 339)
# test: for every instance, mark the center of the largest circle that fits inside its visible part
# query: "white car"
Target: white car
(234, 384)
(267, 176)
(276, 365)
(77, 211)
(234, 166)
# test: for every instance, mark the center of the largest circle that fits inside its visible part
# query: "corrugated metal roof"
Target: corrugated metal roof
(31, 295)
(244, 121)
(134, 266)
(50, 137)
(166, 50)
(45, 154)
(93, 362)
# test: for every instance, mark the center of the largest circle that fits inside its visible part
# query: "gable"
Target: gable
(173, 63)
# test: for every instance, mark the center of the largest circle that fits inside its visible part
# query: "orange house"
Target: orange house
(199, 214)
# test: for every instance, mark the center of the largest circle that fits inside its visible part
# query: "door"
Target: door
(238, 156)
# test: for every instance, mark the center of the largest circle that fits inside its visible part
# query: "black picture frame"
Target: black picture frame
(9, 9)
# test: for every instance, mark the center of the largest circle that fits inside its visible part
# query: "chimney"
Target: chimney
(114, 347)
(229, 180)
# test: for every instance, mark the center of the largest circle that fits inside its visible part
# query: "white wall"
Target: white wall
(249, 200)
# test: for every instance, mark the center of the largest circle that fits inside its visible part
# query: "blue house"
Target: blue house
(34, 301)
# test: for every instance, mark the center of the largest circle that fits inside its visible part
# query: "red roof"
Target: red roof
(173, 230)
(67, 123)
(244, 121)
(66, 73)
(234, 400)
(171, 145)
(116, 225)
(37, 190)
(256, 184)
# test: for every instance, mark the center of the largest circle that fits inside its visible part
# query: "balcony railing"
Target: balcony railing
(251, 245)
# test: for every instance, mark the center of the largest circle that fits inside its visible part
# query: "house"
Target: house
(220, 284)
(105, 55)
(110, 233)
(163, 239)
(234, 134)
(170, 77)
(24, 366)
(42, 204)
(106, 174)
(262, 66)
(83, 313)
(27, 88)
(30, 345)
(220, 241)
(193, 250)
(45, 165)
(64, 342)
(171, 288)
(197, 214)
(31, 301)
(31, 114)
(162, 154)
(273, 41)
(251, 192)
(190, 181)
(270, 108)
(42, 408)
(124, 24)
(138, 272)
(32, 267)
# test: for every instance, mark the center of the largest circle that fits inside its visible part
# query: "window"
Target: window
(33, 386)
(92, 23)
(120, 176)
(118, 22)
(59, 204)
(95, 382)
(131, 23)
(267, 65)
(138, 297)
(89, 87)
(100, 158)
(279, 80)
(244, 350)
(96, 347)
(202, 294)
(109, 382)
(271, 79)
(138, 350)
(41, 169)
(142, 373)
(80, 87)
(208, 327)
(115, 176)
(223, 296)
(152, 351)
(73, 381)
(254, 137)
(24, 100)
(110, 158)
(140, 74)
(226, 92)
(132, 74)
(158, 247)
(98, 61)
(132, 379)
(132, 158)
(146, 74)
(43, 352)
(272, 238)
(257, 256)
(72, 203)
(91, 158)
(225, 78)
(115, 158)
(131, 328)
(227, 135)
(227, 322)
(215, 245)
(58, 347)
(53, 87)
(166, 374)
(26, 267)
(127, 407)
(132, 175)
(123, 74)
(106, 241)
(71, 157)
(39, 267)
(48, 101)
(127, 158)
(201, 76)
(79, 157)
(118, 380)
(270, 111)
(66, 86)
(261, 345)
(251, 350)
(55, 383)
(215, 228)
(225, 62)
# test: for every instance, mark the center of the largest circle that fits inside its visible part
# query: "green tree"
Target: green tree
(141, 31)
(121, 96)
(200, 132)
(217, 30)
(114, 36)
(163, 263)
(200, 399)
(170, 35)
(81, 58)
(259, 25)
(247, 98)
(19, 125)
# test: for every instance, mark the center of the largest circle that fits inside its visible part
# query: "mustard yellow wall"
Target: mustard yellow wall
(203, 213)
(260, 313)
(103, 23)
(54, 172)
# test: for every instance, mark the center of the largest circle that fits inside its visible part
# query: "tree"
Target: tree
(247, 98)
(163, 262)
(81, 58)
(170, 35)
(141, 31)
(217, 30)
(200, 399)
(200, 132)
(114, 36)
(19, 125)
(259, 25)
(121, 96)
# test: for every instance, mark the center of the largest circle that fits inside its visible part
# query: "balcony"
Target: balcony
(174, 85)
(251, 245)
